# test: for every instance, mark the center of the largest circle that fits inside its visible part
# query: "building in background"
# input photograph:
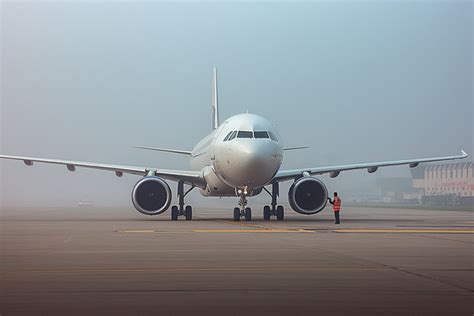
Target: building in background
(396, 190)
(444, 184)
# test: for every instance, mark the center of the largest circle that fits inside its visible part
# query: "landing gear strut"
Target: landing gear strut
(275, 210)
(243, 211)
(187, 211)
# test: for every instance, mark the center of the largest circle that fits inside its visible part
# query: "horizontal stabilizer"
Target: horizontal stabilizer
(296, 147)
(174, 151)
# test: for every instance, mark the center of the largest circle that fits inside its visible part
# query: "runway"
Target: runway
(87, 261)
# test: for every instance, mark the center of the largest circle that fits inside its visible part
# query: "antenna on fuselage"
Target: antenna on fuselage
(215, 101)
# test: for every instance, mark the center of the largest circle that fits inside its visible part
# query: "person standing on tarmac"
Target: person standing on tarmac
(336, 206)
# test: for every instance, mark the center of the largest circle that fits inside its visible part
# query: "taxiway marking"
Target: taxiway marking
(242, 224)
(149, 231)
(424, 231)
(137, 231)
(270, 230)
(252, 231)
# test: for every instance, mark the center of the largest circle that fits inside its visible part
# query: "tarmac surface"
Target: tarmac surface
(87, 261)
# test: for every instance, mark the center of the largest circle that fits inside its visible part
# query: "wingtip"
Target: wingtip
(463, 154)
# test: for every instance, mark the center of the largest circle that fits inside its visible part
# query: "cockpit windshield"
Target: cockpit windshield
(228, 136)
(232, 136)
(272, 136)
(249, 134)
(244, 134)
(261, 134)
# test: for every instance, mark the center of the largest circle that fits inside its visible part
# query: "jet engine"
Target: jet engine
(151, 196)
(308, 196)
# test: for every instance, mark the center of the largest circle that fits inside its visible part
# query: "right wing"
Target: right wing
(191, 177)
(284, 175)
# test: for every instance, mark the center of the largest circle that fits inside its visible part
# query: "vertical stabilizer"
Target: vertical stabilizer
(215, 102)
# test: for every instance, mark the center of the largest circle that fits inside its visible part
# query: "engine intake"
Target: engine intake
(308, 196)
(151, 196)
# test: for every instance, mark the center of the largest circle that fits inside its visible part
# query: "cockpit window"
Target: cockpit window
(249, 134)
(234, 133)
(228, 135)
(272, 136)
(245, 134)
(260, 134)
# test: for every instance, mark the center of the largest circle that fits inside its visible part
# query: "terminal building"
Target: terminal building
(444, 184)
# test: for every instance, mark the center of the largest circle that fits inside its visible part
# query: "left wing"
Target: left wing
(284, 175)
(190, 177)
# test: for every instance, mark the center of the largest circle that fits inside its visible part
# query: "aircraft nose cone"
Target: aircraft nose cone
(258, 163)
(252, 158)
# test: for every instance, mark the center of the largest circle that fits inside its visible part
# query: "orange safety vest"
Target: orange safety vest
(336, 206)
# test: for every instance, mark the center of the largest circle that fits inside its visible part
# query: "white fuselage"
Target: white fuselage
(244, 153)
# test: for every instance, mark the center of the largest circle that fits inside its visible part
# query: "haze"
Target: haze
(356, 81)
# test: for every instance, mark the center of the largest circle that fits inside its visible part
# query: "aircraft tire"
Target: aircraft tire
(248, 214)
(236, 214)
(280, 213)
(266, 213)
(174, 213)
(188, 211)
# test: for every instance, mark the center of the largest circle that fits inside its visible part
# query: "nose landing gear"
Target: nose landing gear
(275, 210)
(243, 211)
(187, 211)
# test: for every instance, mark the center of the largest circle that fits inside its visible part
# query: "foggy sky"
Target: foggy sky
(356, 81)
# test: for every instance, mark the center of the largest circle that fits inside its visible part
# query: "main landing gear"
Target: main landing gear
(187, 211)
(275, 210)
(243, 211)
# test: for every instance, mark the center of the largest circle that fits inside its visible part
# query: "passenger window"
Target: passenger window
(245, 134)
(234, 133)
(228, 135)
(260, 134)
(272, 136)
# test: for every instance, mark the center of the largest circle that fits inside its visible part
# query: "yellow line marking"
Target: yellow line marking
(252, 231)
(444, 231)
(149, 231)
(137, 231)
(153, 232)
(242, 224)
(269, 230)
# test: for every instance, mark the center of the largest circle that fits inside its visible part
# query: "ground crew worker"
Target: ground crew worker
(336, 206)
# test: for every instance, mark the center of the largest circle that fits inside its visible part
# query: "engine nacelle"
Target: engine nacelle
(308, 196)
(151, 196)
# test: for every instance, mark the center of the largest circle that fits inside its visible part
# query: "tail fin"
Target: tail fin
(215, 102)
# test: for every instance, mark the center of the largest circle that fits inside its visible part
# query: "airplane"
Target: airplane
(238, 158)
